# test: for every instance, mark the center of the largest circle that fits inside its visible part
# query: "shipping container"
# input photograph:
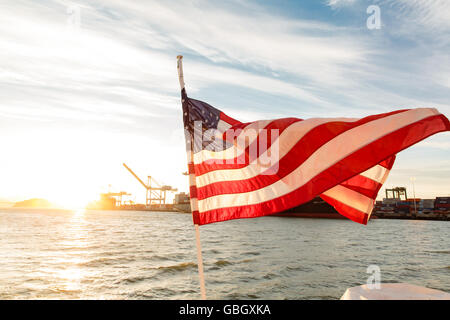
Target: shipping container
(439, 205)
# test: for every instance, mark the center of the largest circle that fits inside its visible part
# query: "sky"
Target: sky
(88, 85)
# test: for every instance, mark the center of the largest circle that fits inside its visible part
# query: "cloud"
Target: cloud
(419, 14)
(128, 43)
(125, 52)
(338, 3)
(441, 141)
(257, 41)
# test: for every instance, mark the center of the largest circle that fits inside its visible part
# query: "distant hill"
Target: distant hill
(6, 204)
(34, 203)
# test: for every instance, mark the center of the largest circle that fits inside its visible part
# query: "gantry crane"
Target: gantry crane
(398, 193)
(153, 195)
(114, 197)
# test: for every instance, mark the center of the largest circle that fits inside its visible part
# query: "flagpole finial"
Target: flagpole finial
(180, 71)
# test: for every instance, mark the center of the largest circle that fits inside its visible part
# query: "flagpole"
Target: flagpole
(180, 71)
(197, 229)
(200, 263)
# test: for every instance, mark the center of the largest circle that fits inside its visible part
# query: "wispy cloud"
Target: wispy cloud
(337, 3)
(432, 14)
(131, 45)
(443, 142)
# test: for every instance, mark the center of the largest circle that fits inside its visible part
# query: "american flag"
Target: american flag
(345, 161)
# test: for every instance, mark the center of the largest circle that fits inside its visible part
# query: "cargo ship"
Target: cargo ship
(316, 208)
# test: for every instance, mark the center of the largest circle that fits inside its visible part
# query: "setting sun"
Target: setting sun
(71, 168)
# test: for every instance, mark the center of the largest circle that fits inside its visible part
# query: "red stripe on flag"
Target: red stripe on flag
(363, 185)
(228, 119)
(388, 163)
(196, 217)
(193, 192)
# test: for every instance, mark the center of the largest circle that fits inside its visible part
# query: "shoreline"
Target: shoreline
(289, 215)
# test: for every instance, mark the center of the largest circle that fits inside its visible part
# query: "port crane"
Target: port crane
(153, 195)
(398, 193)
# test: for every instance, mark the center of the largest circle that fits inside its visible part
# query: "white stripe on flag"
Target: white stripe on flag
(223, 126)
(350, 198)
(375, 173)
(194, 204)
(192, 180)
